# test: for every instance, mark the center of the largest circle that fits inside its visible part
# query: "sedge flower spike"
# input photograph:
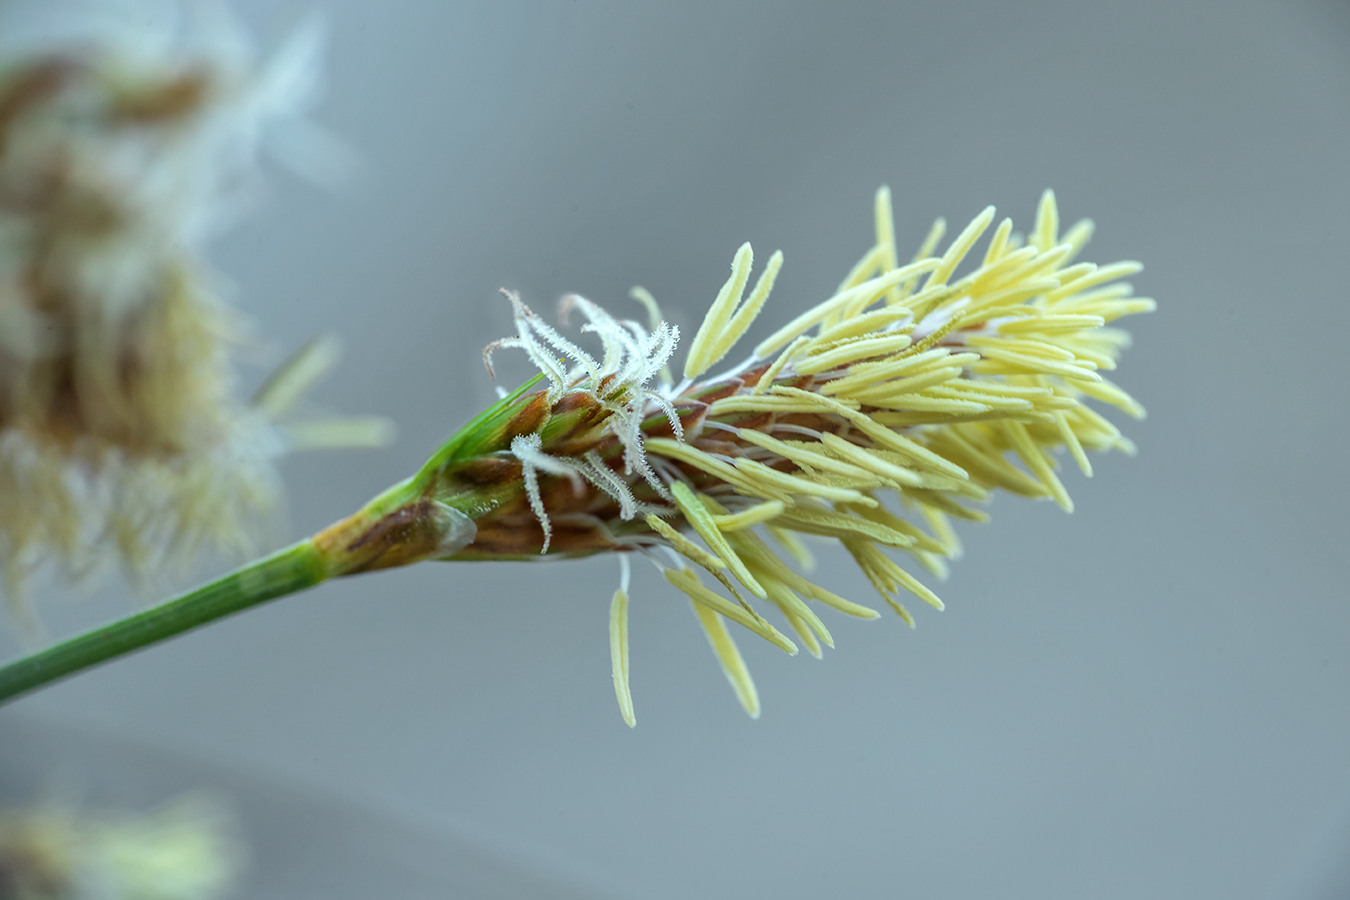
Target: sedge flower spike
(872, 419)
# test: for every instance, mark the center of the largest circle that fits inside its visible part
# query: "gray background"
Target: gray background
(1144, 699)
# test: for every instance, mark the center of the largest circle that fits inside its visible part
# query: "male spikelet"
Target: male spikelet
(120, 437)
(912, 383)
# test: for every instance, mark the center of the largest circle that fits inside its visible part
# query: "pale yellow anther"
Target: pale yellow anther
(887, 577)
(894, 394)
(864, 376)
(923, 542)
(992, 397)
(728, 319)
(618, 655)
(942, 530)
(776, 402)
(828, 523)
(1024, 346)
(1071, 441)
(925, 251)
(714, 565)
(863, 324)
(719, 314)
(1085, 348)
(803, 456)
(793, 545)
(1007, 300)
(776, 367)
(851, 352)
(1018, 362)
(804, 633)
(749, 544)
(869, 266)
(688, 582)
(729, 657)
(918, 589)
(792, 484)
(1069, 274)
(1051, 324)
(713, 466)
(870, 289)
(749, 518)
(887, 438)
(1077, 236)
(1091, 296)
(961, 246)
(885, 231)
(998, 243)
(1101, 389)
(1038, 462)
(782, 594)
(703, 523)
(1039, 266)
(801, 617)
(1102, 274)
(749, 310)
(685, 547)
(861, 457)
(1046, 233)
(900, 610)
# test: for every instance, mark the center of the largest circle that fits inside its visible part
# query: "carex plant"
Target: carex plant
(873, 419)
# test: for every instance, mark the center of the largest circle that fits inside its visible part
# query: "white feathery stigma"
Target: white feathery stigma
(619, 381)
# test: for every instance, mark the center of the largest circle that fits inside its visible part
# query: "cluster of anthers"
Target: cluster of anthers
(908, 382)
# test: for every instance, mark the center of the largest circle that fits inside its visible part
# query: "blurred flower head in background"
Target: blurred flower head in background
(186, 850)
(129, 134)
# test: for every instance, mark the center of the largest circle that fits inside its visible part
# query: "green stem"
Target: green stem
(287, 571)
(410, 522)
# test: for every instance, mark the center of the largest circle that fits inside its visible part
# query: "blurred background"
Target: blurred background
(1146, 698)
